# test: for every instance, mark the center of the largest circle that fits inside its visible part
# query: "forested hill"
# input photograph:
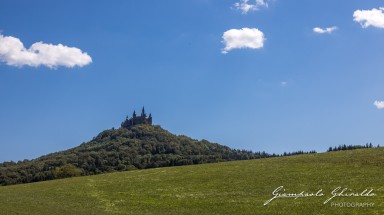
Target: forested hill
(140, 147)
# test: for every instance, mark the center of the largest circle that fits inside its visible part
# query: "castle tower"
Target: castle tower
(143, 112)
(137, 120)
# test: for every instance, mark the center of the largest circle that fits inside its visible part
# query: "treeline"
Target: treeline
(351, 147)
(122, 149)
(300, 152)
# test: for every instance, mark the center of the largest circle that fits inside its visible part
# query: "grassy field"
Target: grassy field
(240, 187)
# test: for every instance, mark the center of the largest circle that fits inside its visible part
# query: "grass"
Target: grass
(239, 187)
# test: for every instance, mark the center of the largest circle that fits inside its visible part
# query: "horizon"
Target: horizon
(271, 75)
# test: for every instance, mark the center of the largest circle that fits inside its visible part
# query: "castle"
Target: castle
(136, 120)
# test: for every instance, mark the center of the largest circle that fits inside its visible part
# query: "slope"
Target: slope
(239, 187)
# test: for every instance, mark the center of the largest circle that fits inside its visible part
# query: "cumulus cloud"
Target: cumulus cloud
(379, 104)
(324, 30)
(366, 18)
(245, 7)
(13, 53)
(251, 38)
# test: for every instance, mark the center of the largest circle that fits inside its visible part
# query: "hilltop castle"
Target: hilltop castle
(136, 120)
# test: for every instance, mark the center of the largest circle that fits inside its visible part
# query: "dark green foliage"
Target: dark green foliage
(140, 147)
(351, 147)
(300, 152)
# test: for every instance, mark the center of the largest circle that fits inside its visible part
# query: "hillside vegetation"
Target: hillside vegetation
(140, 147)
(239, 187)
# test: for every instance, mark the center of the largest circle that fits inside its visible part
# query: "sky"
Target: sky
(261, 75)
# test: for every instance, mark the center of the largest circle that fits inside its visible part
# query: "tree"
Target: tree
(68, 170)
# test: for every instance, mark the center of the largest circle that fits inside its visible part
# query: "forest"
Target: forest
(139, 147)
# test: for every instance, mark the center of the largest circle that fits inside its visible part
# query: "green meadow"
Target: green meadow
(239, 187)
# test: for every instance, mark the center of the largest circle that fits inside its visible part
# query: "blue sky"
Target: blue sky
(259, 78)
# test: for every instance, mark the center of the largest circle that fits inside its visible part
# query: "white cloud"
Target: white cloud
(324, 30)
(251, 38)
(366, 18)
(13, 53)
(379, 104)
(245, 7)
(284, 83)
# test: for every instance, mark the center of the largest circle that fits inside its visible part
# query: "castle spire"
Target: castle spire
(143, 112)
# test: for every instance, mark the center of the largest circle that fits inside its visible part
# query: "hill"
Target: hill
(138, 147)
(239, 187)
